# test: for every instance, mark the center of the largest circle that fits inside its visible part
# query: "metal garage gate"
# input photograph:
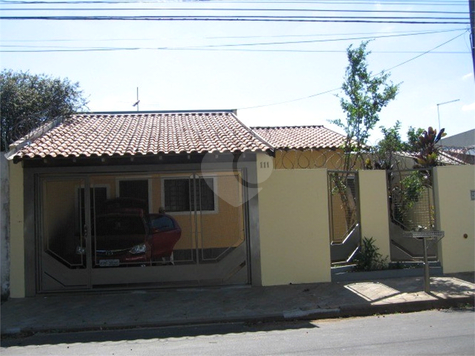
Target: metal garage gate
(113, 231)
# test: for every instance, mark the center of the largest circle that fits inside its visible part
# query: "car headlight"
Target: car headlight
(138, 249)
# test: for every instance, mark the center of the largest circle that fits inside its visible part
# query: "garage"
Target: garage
(175, 208)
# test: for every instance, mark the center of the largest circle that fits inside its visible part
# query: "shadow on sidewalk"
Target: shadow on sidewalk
(149, 333)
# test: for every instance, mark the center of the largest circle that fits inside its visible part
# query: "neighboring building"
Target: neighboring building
(304, 146)
(460, 146)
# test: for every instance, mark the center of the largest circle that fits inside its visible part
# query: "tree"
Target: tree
(387, 147)
(406, 189)
(422, 144)
(28, 101)
(365, 96)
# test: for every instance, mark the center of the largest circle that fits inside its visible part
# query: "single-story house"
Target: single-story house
(243, 217)
(198, 166)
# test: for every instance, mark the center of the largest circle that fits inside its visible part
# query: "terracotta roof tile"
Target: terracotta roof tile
(143, 133)
(300, 137)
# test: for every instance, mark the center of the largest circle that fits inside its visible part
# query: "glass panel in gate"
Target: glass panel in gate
(412, 208)
(63, 222)
(62, 231)
(344, 215)
(190, 230)
(221, 229)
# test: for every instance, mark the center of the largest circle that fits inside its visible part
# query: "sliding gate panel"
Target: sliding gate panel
(85, 244)
(221, 237)
(412, 208)
(345, 231)
(61, 233)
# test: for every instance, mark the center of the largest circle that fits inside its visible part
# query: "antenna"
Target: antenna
(439, 104)
(138, 101)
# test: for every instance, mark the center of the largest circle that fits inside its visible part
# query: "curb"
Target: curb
(345, 311)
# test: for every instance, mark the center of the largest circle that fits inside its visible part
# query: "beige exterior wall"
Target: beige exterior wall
(294, 222)
(17, 240)
(456, 217)
(374, 208)
(294, 236)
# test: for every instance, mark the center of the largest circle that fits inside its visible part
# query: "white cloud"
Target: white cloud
(470, 107)
(467, 76)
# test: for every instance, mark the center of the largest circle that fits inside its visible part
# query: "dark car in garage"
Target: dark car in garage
(125, 234)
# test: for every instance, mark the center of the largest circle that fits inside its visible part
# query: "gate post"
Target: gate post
(374, 208)
(455, 215)
(17, 238)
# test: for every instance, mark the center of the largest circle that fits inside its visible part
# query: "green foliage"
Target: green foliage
(368, 258)
(413, 138)
(365, 95)
(412, 189)
(390, 144)
(407, 192)
(422, 144)
(427, 148)
(27, 101)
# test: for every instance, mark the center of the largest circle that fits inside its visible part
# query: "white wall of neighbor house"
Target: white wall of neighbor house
(294, 233)
(456, 217)
(374, 212)
(17, 239)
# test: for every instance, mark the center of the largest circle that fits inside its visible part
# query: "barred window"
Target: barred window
(180, 193)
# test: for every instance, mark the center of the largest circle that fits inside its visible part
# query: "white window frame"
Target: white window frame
(149, 188)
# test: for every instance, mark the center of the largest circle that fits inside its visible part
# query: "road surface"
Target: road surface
(444, 332)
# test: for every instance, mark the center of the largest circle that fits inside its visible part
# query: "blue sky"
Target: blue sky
(272, 72)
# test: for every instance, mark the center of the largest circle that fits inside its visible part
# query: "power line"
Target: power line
(291, 100)
(373, 35)
(241, 10)
(111, 49)
(335, 89)
(341, 34)
(333, 2)
(216, 46)
(308, 41)
(410, 60)
(340, 19)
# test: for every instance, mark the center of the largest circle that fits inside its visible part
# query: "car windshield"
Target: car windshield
(118, 225)
(162, 223)
(117, 232)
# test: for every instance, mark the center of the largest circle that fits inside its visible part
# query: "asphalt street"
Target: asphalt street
(441, 332)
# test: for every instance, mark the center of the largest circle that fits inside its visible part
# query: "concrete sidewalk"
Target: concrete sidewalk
(168, 307)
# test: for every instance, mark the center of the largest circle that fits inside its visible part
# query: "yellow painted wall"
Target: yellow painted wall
(217, 230)
(17, 240)
(294, 236)
(222, 229)
(456, 217)
(374, 208)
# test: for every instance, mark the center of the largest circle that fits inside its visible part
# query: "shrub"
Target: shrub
(368, 258)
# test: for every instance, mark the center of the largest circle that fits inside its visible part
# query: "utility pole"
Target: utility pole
(471, 6)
